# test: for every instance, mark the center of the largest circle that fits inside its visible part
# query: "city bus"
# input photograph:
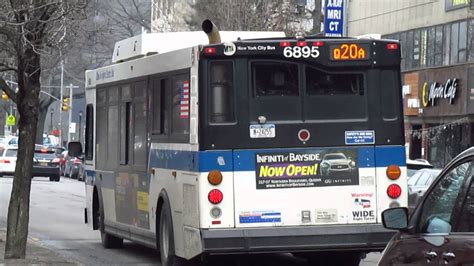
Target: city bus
(245, 143)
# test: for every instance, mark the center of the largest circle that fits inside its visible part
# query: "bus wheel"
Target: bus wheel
(108, 240)
(166, 237)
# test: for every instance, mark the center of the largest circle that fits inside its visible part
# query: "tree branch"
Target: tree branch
(11, 94)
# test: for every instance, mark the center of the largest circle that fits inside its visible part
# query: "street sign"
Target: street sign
(72, 128)
(11, 120)
(334, 18)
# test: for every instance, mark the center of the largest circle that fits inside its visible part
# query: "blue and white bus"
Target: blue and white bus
(270, 144)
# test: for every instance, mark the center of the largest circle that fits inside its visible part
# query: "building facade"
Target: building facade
(437, 46)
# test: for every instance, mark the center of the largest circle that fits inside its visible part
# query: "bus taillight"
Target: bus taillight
(214, 177)
(284, 44)
(210, 50)
(394, 191)
(215, 196)
(392, 46)
(301, 43)
(393, 172)
(318, 43)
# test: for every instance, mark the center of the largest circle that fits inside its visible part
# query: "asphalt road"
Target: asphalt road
(57, 222)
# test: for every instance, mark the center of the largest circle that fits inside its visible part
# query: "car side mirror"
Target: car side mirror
(74, 149)
(395, 218)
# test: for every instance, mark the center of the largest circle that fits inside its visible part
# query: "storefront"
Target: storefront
(439, 112)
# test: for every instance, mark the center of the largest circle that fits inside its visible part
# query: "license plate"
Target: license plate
(262, 131)
(44, 164)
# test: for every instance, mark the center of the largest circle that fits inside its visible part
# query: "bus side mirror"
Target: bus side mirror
(74, 149)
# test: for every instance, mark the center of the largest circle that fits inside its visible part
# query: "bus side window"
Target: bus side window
(89, 139)
(221, 94)
(124, 133)
(180, 106)
(159, 105)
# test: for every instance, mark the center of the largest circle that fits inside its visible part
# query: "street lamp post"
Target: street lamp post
(80, 126)
(51, 122)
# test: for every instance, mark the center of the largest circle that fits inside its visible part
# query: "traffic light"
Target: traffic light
(65, 106)
(4, 96)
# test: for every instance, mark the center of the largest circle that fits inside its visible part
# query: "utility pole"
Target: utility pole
(70, 113)
(60, 104)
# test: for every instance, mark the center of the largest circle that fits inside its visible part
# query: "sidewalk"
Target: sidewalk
(35, 253)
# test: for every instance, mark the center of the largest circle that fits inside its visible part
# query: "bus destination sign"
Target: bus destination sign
(349, 51)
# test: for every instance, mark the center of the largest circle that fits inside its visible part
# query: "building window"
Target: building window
(438, 47)
(454, 43)
(430, 46)
(462, 51)
(471, 40)
(416, 49)
(403, 44)
(447, 42)
(409, 50)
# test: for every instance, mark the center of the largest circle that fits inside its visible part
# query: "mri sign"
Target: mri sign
(334, 18)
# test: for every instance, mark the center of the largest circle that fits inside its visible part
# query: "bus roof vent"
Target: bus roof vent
(153, 43)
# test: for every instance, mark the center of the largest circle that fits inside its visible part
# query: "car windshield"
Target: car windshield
(411, 172)
(334, 157)
(11, 153)
(45, 155)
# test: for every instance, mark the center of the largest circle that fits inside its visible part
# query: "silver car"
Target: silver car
(336, 163)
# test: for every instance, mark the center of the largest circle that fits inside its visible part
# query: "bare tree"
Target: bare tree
(250, 15)
(29, 31)
(170, 15)
(91, 47)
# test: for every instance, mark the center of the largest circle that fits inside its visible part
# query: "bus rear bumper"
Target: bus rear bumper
(372, 237)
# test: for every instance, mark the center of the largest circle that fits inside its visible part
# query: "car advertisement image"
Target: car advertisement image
(310, 168)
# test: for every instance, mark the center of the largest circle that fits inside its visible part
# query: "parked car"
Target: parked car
(441, 228)
(63, 157)
(417, 164)
(46, 163)
(8, 160)
(418, 184)
(72, 167)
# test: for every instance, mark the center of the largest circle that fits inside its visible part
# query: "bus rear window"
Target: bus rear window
(275, 78)
(324, 83)
(221, 96)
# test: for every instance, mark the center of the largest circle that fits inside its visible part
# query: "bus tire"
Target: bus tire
(167, 252)
(108, 240)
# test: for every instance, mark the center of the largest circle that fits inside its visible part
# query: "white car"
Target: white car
(415, 165)
(8, 160)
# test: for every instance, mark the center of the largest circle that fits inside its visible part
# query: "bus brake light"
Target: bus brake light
(394, 191)
(215, 196)
(210, 50)
(393, 172)
(392, 46)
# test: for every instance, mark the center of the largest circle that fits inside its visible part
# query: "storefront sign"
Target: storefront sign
(334, 18)
(439, 91)
(455, 4)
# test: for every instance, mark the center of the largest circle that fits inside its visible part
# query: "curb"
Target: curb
(36, 254)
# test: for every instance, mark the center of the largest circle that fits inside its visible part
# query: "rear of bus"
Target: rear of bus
(301, 144)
